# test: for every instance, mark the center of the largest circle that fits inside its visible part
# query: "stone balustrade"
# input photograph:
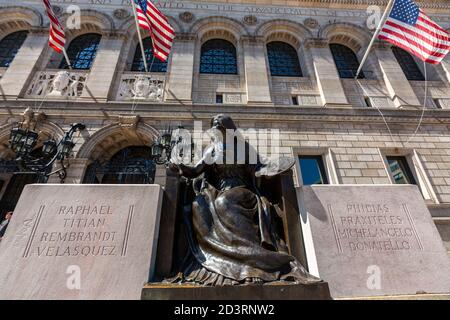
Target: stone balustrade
(141, 86)
(69, 84)
(57, 84)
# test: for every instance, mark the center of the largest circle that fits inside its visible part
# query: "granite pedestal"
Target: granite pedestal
(80, 242)
(372, 240)
(275, 291)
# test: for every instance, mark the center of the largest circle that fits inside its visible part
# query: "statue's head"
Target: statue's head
(222, 122)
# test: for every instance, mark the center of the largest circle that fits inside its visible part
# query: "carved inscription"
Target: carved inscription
(373, 227)
(79, 231)
(225, 8)
(256, 10)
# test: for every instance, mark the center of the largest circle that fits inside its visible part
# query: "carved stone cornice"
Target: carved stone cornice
(74, 111)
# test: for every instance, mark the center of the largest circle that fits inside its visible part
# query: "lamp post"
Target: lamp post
(22, 142)
(161, 150)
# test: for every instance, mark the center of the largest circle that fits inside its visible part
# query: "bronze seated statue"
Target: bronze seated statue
(230, 230)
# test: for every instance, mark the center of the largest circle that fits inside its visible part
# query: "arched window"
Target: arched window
(138, 63)
(346, 61)
(9, 46)
(218, 57)
(82, 51)
(283, 60)
(408, 65)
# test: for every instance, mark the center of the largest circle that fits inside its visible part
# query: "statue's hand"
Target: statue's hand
(174, 167)
(273, 166)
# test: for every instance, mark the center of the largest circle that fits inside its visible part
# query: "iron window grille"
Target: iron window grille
(346, 61)
(82, 51)
(283, 60)
(138, 63)
(218, 57)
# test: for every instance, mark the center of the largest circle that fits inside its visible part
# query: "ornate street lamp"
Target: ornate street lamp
(22, 142)
(161, 150)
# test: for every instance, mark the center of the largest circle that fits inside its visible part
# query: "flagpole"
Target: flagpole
(67, 58)
(144, 58)
(375, 35)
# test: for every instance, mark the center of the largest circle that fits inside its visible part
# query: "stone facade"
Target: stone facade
(354, 124)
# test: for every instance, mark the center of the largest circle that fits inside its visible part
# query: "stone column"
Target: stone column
(256, 71)
(400, 91)
(75, 172)
(181, 73)
(22, 69)
(328, 81)
(103, 70)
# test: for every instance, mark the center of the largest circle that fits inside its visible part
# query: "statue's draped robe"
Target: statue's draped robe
(231, 236)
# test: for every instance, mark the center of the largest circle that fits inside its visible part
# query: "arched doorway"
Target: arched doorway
(131, 165)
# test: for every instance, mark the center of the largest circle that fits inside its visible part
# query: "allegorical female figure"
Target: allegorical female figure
(230, 232)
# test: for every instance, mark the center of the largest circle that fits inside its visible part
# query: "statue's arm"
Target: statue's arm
(194, 171)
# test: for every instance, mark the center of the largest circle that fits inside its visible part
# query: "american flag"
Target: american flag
(56, 39)
(161, 32)
(408, 27)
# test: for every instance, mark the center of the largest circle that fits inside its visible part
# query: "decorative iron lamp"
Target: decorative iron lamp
(157, 149)
(16, 136)
(49, 148)
(162, 149)
(30, 140)
(166, 139)
(23, 141)
(66, 148)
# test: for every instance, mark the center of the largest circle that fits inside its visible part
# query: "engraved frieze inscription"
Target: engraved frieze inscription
(79, 231)
(374, 227)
